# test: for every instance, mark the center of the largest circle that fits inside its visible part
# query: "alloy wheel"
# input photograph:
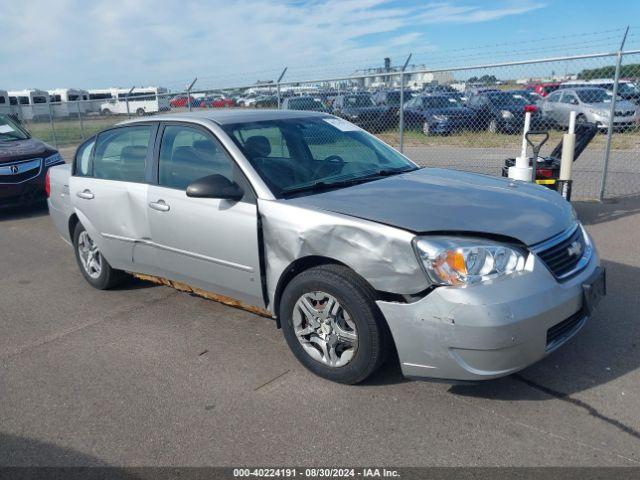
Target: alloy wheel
(325, 329)
(89, 254)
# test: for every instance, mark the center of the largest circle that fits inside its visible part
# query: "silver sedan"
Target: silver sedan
(351, 247)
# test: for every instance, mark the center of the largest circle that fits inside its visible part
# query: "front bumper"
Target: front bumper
(487, 330)
(24, 193)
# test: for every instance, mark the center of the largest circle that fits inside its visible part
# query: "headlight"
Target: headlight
(440, 118)
(506, 114)
(55, 158)
(462, 261)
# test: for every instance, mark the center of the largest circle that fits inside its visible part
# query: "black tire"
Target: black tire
(581, 119)
(109, 277)
(140, 112)
(106, 112)
(358, 299)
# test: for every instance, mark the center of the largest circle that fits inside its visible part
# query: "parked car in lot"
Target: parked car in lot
(360, 109)
(503, 111)
(306, 103)
(353, 248)
(216, 102)
(626, 89)
(543, 89)
(592, 105)
(24, 162)
(181, 101)
(438, 114)
(390, 98)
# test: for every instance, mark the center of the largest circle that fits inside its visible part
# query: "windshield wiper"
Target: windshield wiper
(322, 185)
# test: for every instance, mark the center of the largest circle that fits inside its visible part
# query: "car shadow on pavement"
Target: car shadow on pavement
(22, 457)
(592, 213)
(608, 347)
(38, 209)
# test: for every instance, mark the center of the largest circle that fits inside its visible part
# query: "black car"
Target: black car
(503, 111)
(24, 162)
(306, 103)
(438, 114)
(390, 98)
(359, 108)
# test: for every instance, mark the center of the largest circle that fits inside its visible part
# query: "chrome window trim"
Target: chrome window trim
(36, 162)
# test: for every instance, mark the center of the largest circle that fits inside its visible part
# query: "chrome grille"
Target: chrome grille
(18, 172)
(566, 254)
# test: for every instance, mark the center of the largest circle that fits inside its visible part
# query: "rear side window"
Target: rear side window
(121, 154)
(187, 154)
(83, 159)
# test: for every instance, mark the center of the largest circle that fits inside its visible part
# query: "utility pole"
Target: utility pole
(401, 120)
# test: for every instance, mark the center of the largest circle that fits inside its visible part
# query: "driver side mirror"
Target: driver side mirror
(215, 186)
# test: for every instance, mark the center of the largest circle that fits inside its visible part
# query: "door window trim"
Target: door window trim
(148, 159)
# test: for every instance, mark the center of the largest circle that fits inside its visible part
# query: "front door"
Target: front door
(207, 243)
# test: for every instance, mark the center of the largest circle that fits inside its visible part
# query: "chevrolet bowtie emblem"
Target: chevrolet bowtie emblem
(575, 249)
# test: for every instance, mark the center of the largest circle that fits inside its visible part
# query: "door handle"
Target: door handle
(85, 194)
(160, 206)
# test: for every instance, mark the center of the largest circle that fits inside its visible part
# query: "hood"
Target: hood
(439, 200)
(23, 149)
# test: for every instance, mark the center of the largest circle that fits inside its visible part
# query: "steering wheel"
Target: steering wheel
(331, 164)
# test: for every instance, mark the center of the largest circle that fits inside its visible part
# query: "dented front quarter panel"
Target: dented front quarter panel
(382, 255)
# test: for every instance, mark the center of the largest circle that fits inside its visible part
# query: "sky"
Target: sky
(74, 43)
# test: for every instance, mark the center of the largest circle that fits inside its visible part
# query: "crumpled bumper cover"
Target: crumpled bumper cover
(487, 330)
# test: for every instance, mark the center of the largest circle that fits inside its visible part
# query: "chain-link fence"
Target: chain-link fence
(468, 118)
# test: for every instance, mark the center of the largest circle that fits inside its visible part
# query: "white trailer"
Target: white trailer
(31, 103)
(66, 102)
(5, 103)
(141, 101)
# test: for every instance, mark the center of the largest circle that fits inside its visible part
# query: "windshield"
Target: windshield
(358, 101)
(440, 102)
(628, 89)
(304, 103)
(302, 155)
(594, 95)
(505, 98)
(11, 131)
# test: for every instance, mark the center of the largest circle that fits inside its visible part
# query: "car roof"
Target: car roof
(229, 116)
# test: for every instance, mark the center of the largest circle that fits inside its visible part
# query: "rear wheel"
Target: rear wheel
(332, 325)
(93, 266)
(106, 112)
(140, 112)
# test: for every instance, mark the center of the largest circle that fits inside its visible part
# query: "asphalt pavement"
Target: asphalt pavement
(145, 375)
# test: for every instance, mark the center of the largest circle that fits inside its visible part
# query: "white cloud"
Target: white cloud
(111, 42)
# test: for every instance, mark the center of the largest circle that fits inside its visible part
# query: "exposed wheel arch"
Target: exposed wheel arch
(73, 221)
(300, 265)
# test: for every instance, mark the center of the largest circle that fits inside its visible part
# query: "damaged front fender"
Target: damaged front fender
(382, 255)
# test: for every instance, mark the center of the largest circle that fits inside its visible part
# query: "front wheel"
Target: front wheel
(332, 325)
(93, 266)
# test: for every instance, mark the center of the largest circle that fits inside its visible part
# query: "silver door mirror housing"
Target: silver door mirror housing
(215, 186)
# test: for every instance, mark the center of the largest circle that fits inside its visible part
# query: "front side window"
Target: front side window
(299, 155)
(23, 100)
(187, 154)
(120, 154)
(39, 99)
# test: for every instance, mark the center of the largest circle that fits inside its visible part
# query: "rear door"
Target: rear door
(108, 190)
(208, 243)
